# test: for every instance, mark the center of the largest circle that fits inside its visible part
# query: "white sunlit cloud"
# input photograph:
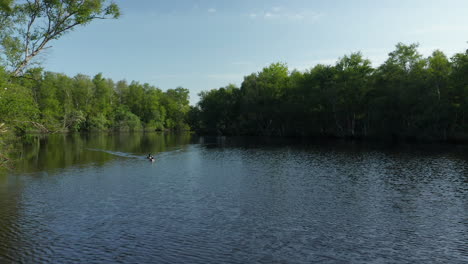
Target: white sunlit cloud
(279, 13)
(276, 9)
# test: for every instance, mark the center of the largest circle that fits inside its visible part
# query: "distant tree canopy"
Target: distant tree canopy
(28, 27)
(407, 97)
(49, 102)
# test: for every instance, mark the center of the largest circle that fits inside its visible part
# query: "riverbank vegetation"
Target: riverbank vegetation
(32, 99)
(407, 97)
(47, 102)
(53, 102)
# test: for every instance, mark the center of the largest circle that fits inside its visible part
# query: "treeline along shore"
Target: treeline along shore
(408, 97)
(53, 102)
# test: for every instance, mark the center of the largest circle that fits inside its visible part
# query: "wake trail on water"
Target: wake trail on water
(117, 153)
(132, 156)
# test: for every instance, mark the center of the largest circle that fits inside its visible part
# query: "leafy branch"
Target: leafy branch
(29, 27)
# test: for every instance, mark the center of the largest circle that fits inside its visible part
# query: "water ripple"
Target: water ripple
(207, 204)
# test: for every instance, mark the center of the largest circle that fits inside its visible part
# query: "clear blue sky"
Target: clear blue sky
(206, 44)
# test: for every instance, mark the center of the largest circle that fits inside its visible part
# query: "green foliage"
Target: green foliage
(50, 102)
(154, 125)
(407, 97)
(27, 27)
(217, 111)
(12, 50)
(17, 106)
(5, 5)
(103, 95)
(97, 122)
(193, 118)
(261, 97)
(126, 120)
(82, 93)
(176, 103)
(73, 120)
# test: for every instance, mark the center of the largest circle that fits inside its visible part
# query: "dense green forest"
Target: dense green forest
(53, 102)
(408, 97)
(31, 100)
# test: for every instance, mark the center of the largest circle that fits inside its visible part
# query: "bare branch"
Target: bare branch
(40, 126)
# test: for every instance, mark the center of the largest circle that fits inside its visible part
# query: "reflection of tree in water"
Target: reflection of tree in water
(10, 195)
(48, 152)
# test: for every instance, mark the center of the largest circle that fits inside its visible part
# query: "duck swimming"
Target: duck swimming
(150, 157)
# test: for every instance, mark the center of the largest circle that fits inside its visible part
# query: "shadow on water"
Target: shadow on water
(57, 151)
(49, 152)
(233, 200)
(43, 154)
(336, 145)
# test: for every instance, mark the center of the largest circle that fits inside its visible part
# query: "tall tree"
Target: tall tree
(219, 110)
(34, 24)
(262, 94)
(459, 94)
(176, 102)
(398, 83)
(353, 81)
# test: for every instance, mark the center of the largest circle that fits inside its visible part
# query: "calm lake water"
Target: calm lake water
(96, 199)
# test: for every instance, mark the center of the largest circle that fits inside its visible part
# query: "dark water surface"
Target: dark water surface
(96, 199)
